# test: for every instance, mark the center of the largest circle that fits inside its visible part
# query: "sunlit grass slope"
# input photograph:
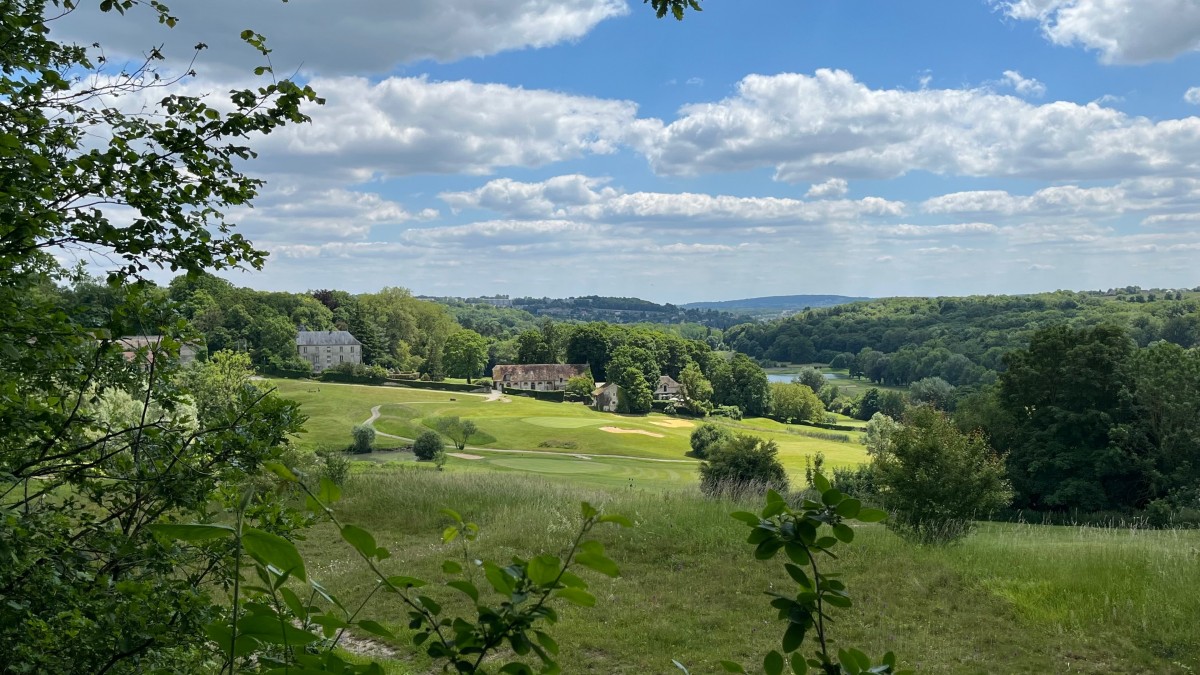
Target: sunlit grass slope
(1010, 599)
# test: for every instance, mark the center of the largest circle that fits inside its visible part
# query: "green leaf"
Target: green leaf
(449, 534)
(599, 563)
(849, 507)
(373, 627)
(588, 510)
(466, 587)
(831, 497)
(452, 515)
(330, 492)
(272, 630)
(773, 663)
(836, 600)
(405, 582)
(793, 637)
(821, 483)
(615, 518)
(576, 596)
(731, 667)
(280, 470)
(451, 567)
(498, 578)
(746, 517)
(798, 575)
(546, 641)
(799, 666)
(430, 604)
(194, 532)
(871, 516)
(293, 602)
(543, 569)
(272, 549)
(361, 540)
(843, 532)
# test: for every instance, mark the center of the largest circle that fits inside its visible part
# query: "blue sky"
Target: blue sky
(861, 147)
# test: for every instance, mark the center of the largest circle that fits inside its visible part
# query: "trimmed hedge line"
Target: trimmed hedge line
(818, 425)
(552, 396)
(441, 386)
(328, 376)
(289, 373)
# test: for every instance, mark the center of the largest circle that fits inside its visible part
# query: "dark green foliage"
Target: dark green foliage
(811, 377)
(364, 439)
(465, 354)
(707, 436)
(936, 479)
(675, 7)
(730, 411)
(740, 465)
(428, 445)
(635, 396)
(1065, 394)
(748, 387)
(580, 387)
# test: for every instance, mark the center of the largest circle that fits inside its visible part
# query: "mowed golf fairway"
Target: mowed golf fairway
(567, 432)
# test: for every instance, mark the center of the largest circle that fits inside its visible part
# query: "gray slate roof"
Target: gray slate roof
(321, 338)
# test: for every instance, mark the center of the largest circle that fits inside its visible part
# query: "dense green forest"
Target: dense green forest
(961, 340)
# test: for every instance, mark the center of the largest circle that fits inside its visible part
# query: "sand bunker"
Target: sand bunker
(674, 424)
(463, 455)
(619, 430)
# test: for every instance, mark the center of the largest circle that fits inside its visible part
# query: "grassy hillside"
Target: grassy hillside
(517, 423)
(1010, 599)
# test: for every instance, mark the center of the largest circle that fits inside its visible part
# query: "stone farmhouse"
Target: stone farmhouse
(537, 376)
(668, 389)
(327, 348)
(130, 345)
(606, 397)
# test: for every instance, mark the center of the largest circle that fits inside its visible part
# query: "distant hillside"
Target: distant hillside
(775, 305)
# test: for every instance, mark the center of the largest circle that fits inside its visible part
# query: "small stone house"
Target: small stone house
(537, 376)
(668, 389)
(606, 397)
(327, 348)
(132, 343)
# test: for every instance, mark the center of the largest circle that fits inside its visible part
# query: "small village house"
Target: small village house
(327, 348)
(130, 344)
(536, 376)
(668, 389)
(606, 397)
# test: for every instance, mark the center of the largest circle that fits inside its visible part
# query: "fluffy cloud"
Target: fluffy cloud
(587, 198)
(834, 187)
(1123, 31)
(405, 126)
(353, 36)
(1025, 86)
(1192, 95)
(1131, 196)
(828, 123)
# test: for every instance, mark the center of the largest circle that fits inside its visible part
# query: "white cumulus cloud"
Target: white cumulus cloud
(1122, 31)
(834, 187)
(1025, 86)
(811, 126)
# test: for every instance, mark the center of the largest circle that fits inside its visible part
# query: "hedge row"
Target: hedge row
(289, 373)
(818, 425)
(441, 386)
(552, 396)
(329, 376)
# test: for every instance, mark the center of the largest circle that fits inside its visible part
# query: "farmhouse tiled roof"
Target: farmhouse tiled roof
(321, 338)
(538, 372)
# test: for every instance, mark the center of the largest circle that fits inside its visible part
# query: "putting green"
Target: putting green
(561, 422)
(547, 465)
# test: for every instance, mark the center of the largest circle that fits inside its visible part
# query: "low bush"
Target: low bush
(742, 465)
(428, 445)
(364, 439)
(555, 443)
(706, 436)
(731, 411)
